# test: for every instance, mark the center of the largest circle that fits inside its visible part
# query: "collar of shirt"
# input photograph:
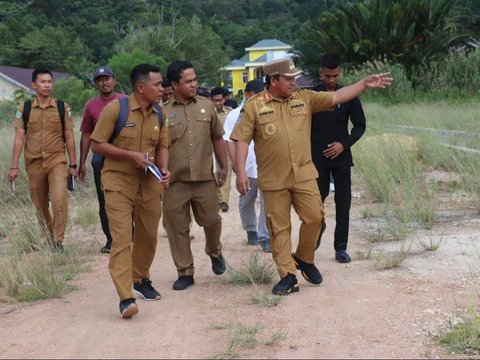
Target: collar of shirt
(51, 102)
(175, 102)
(267, 97)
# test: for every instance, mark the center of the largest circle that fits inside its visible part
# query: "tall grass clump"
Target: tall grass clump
(393, 259)
(455, 77)
(246, 337)
(463, 334)
(384, 163)
(42, 274)
(471, 176)
(86, 217)
(7, 111)
(436, 155)
(267, 300)
(399, 91)
(257, 271)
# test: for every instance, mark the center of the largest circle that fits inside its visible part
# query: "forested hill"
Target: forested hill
(63, 33)
(77, 35)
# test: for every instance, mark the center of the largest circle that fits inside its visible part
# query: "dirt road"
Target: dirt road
(358, 312)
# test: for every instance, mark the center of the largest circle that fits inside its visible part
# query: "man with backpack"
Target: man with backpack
(104, 80)
(44, 126)
(133, 136)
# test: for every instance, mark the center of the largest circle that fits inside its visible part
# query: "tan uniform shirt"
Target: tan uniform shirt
(281, 132)
(44, 136)
(141, 134)
(222, 114)
(192, 128)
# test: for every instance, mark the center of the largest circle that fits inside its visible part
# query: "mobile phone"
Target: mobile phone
(71, 182)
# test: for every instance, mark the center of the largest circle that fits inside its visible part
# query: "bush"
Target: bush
(7, 111)
(73, 91)
(400, 90)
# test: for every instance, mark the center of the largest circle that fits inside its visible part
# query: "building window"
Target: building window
(245, 77)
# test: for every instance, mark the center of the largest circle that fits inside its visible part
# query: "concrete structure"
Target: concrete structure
(249, 66)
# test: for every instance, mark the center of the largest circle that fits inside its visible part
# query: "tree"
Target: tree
(49, 47)
(73, 91)
(122, 63)
(181, 39)
(409, 32)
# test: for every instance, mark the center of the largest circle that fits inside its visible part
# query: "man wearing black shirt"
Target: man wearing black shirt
(331, 143)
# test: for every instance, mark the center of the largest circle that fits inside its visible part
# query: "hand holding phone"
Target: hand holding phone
(71, 183)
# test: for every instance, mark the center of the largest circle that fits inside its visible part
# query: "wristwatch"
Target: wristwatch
(73, 166)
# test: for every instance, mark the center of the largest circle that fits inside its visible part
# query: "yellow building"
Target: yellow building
(249, 66)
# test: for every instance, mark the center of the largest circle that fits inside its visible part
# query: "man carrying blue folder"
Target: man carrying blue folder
(132, 195)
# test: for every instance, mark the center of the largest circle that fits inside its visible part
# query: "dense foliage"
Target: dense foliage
(77, 35)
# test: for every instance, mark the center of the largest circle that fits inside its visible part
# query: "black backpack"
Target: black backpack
(27, 107)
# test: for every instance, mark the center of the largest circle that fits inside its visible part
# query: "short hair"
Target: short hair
(40, 71)
(330, 61)
(141, 72)
(175, 69)
(166, 83)
(268, 78)
(217, 91)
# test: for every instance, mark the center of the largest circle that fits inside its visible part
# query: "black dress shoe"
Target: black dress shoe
(308, 271)
(342, 256)
(286, 285)
(183, 282)
(218, 265)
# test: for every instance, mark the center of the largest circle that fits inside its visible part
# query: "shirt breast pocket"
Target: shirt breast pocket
(126, 138)
(203, 124)
(53, 123)
(268, 126)
(298, 117)
(176, 130)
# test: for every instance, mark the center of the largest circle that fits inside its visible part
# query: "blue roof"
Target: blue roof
(267, 43)
(240, 62)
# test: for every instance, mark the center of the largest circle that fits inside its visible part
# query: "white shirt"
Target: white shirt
(251, 163)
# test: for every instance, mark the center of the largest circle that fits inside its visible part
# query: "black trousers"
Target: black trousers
(343, 200)
(97, 175)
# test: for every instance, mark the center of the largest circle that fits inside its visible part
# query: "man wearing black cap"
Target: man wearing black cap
(257, 232)
(279, 121)
(104, 80)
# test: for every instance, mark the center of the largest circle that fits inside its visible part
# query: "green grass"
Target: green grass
(29, 269)
(86, 217)
(429, 243)
(463, 335)
(392, 259)
(256, 271)
(267, 300)
(243, 337)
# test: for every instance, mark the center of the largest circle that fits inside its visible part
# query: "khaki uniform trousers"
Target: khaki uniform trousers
(223, 193)
(307, 203)
(131, 221)
(49, 184)
(178, 198)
